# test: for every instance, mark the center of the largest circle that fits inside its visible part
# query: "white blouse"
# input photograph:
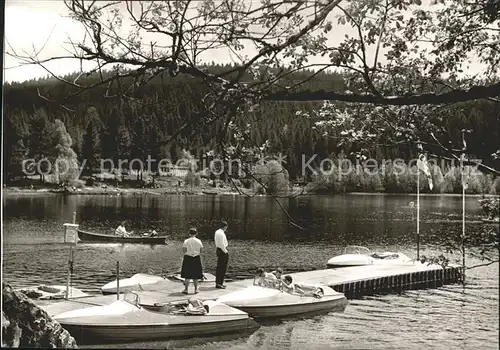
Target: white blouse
(193, 246)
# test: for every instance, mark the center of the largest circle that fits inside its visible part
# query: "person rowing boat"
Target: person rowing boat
(121, 231)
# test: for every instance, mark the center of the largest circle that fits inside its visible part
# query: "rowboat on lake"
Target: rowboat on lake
(212, 193)
(128, 320)
(86, 236)
(262, 302)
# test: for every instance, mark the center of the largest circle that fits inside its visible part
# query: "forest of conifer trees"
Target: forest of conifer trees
(116, 128)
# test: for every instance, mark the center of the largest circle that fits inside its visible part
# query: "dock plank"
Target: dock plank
(359, 273)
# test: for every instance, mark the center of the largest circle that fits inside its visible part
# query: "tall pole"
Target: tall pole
(69, 270)
(70, 264)
(118, 280)
(463, 215)
(418, 214)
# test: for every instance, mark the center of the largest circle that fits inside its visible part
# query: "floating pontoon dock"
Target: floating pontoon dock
(354, 282)
(357, 281)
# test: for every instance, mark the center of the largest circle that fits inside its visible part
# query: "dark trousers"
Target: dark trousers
(220, 272)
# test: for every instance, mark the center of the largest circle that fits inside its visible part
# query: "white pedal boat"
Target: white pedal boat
(361, 256)
(262, 302)
(139, 280)
(45, 292)
(128, 320)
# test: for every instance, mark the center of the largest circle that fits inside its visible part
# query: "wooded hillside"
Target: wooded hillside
(117, 128)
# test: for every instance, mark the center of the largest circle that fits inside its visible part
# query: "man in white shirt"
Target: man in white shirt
(222, 254)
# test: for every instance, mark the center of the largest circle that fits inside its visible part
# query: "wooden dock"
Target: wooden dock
(357, 281)
(354, 282)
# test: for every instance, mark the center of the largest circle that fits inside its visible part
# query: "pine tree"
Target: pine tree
(66, 163)
(39, 140)
(91, 149)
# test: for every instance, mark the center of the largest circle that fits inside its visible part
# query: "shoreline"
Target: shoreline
(110, 191)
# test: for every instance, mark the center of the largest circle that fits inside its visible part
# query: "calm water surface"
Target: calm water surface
(260, 235)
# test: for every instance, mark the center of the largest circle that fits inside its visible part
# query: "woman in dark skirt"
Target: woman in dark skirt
(191, 263)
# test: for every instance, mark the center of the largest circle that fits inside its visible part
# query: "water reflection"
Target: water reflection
(205, 342)
(345, 219)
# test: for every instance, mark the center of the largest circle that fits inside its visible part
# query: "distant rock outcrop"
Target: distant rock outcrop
(26, 325)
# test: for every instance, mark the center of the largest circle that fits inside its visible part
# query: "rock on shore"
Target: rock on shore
(26, 325)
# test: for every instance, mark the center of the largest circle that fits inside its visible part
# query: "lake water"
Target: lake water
(260, 235)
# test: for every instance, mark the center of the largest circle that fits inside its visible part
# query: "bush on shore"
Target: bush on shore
(403, 179)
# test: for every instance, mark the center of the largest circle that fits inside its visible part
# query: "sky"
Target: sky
(31, 25)
(51, 32)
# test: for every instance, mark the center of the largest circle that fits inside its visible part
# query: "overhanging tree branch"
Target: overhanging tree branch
(474, 93)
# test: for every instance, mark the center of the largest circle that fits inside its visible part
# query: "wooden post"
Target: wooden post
(118, 280)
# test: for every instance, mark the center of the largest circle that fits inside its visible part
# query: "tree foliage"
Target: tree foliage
(66, 163)
(491, 207)
(271, 178)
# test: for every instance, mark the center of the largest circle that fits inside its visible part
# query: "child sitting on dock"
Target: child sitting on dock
(265, 279)
(301, 289)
